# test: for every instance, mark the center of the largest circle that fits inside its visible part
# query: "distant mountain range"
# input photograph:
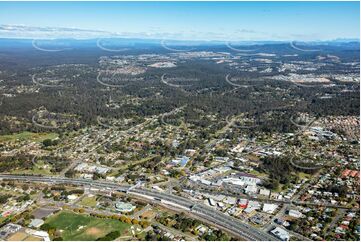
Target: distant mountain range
(22, 32)
(132, 42)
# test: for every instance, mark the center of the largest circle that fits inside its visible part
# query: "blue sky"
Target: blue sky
(185, 20)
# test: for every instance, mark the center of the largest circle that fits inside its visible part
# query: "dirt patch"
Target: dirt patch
(17, 236)
(148, 215)
(33, 238)
(93, 231)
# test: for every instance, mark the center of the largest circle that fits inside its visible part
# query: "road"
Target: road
(176, 232)
(340, 213)
(140, 212)
(201, 211)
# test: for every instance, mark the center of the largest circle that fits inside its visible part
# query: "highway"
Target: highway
(198, 210)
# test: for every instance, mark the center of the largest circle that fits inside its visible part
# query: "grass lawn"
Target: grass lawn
(258, 174)
(40, 168)
(90, 201)
(125, 166)
(2, 219)
(278, 189)
(36, 137)
(303, 175)
(84, 227)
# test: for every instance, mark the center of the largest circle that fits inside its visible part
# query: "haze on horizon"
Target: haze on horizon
(232, 21)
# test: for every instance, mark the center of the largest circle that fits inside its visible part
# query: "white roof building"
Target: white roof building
(42, 234)
(119, 179)
(84, 167)
(205, 182)
(87, 176)
(249, 210)
(101, 170)
(252, 205)
(217, 183)
(231, 200)
(36, 223)
(211, 202)
(295, 213)
(265, 192)
(281, 234)
(81, 167)
(218, 198)
(220, 204)
(269, 207)
(110, 178)
(72, 197)
(194, 178)
(243, 202)
(234, 181)
(202, 229)
(251, 189)
(249, 179)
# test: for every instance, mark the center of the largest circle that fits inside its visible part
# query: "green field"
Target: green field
(259, 174)
(89, 201)
(125, 166)
(84, 227)
(302, 175)
(36, 137)
(38, 169)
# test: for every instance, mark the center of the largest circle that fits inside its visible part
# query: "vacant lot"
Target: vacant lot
(40, 168)
(23, 236)
(83, 227)
(43, 212)
(36, 137)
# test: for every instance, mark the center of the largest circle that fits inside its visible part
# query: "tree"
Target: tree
(123, 218)
(47, 142)
(144, 224)
(110, 236)
(70, 173)
(135, 221)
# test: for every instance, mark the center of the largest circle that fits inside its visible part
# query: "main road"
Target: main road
(198, 210)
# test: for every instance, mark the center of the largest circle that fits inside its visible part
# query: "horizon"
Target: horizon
(76, 32)
(182, 21)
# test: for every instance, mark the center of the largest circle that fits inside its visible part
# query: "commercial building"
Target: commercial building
(36, 223)
(295, 213)
(269, 207)
(249, 179)
(281, 234)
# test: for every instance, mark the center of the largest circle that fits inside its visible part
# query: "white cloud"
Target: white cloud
(23, 31)
(30, 32)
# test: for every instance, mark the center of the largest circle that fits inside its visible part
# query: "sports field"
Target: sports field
(83, 227)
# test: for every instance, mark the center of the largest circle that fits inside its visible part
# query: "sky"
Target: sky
(228, 21)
